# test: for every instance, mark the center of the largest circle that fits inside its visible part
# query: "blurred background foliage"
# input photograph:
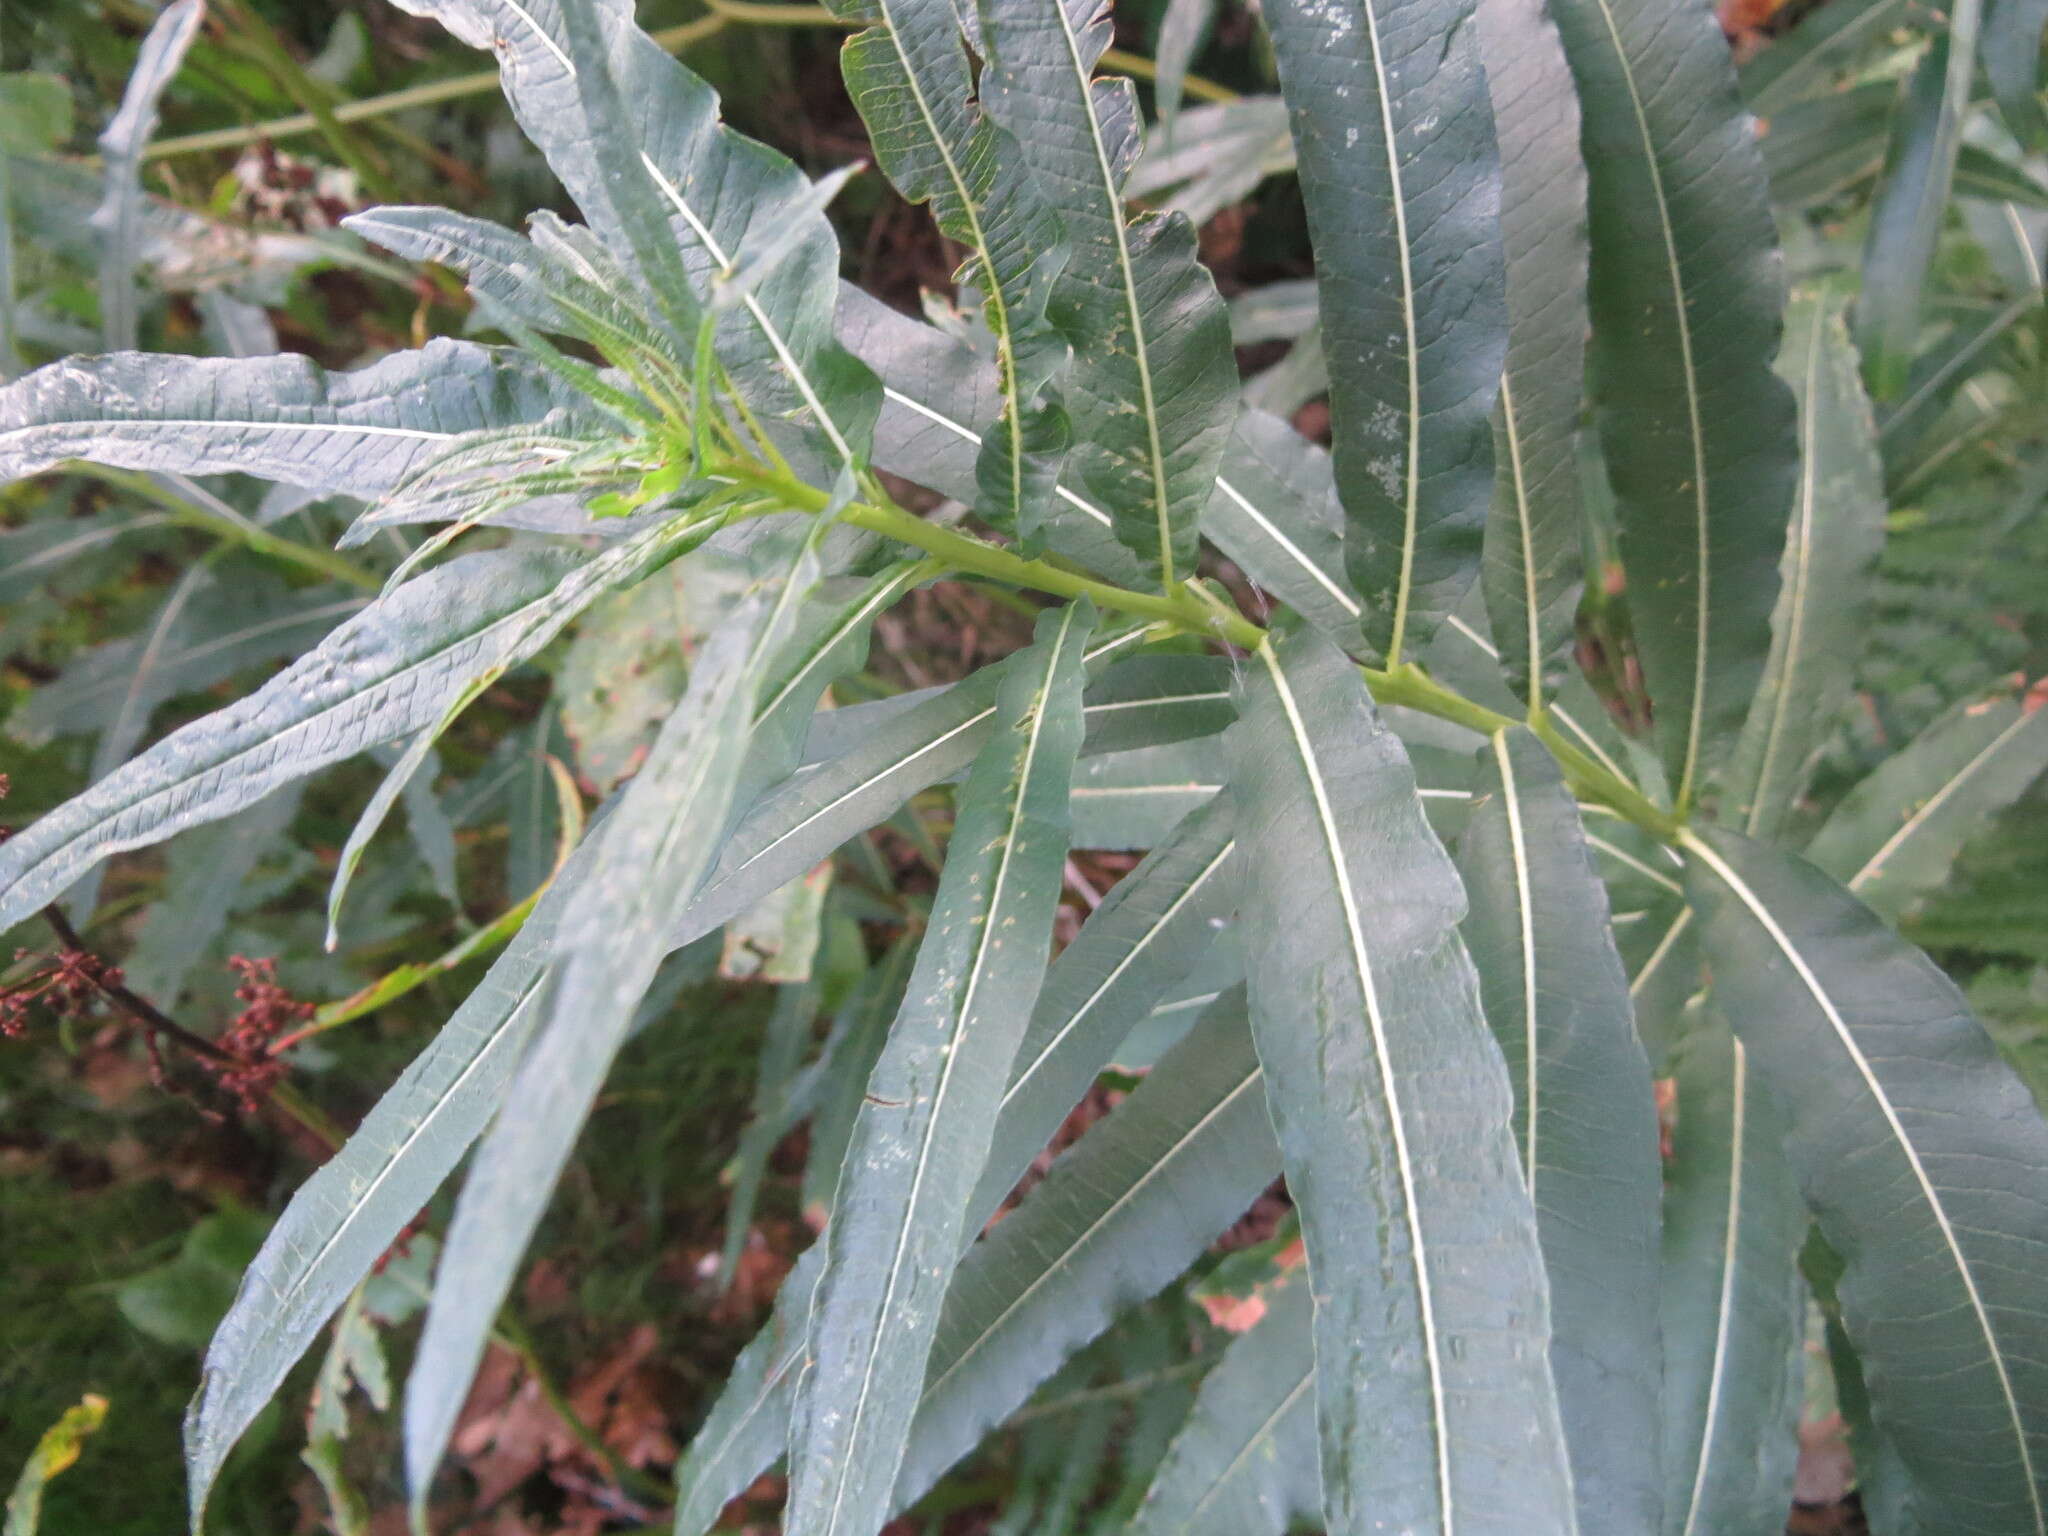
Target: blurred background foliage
(132, 1188)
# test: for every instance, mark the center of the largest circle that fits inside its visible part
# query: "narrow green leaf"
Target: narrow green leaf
(648, 860)
(390, 670)
(908, 75)
(1922, 1157)
(1123, 1213)
(1912, 200)
(1153, 386)
(351, 1210)
(923, 1133)
(278, 418)
(2012, 63)
(118, 219)
(1534, 545)
(1434, 1391)
(1686, 293)
(1895, 837)
(1733, 1306)
(1154, 926)
(1585, 1120)
(1831, 550)
(1394, 136)
(1244, 1462)
(1182, 31)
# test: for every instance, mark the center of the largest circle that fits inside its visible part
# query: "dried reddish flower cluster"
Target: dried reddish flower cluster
(66, 984)
(268, 1011)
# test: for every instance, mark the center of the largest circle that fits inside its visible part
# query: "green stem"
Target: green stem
(1405, 684)
(262, 541)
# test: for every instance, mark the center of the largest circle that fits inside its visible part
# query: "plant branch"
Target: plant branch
(227, 525)
(289, 1101)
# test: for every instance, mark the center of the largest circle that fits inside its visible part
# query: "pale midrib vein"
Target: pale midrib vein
(1623, 856)
(57, 554)
(1340, 872)
(1524, 527)
(1783, 942)
(977, 968)
(2000, 323)
(881, 598)
(1050, 1270)
(1802, 570)
(1140, 348)
(2019, 230)
(1725, 1315)
(1258, 1438)
(1661, 953)
(992, 290)
(1115, 643)
(147, 662)
(768, 328)
(153, 425)
(1525, 912)
(546, 41)
(1874, 865)
(1683, 320)
(1129, 959)
(1412, 479)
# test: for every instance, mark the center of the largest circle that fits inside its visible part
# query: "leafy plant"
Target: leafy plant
(1515, 1312)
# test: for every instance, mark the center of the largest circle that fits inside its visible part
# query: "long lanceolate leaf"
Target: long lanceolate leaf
(1153, 387)
(1244, 1462)
(1117, 1218)
(649, 859)
(1685, 292)
(1152, 929)
(924, 1131)
(279, 418)
(388, 671)
(1837, 530)
(1896, 835)
(350, 1211)
(1924, 1162)
(1912, 201)
(1393, 135)
(1557, 998)
(1393, 1110)
(1733, 1305)
(1534, 540)
(909, 78)
(118, 219)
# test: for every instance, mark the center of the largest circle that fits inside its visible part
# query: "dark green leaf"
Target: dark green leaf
(1686, 294)
(1153, 386)
(1922, 1158)
(1824, 592)
(1557, 999)
(923, 1133)
(1394, 137)
(1394, 1114)
(1534, 541)
(1734, 1309)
